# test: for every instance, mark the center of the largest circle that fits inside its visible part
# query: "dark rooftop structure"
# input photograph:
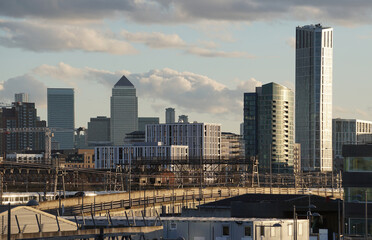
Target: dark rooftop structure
(353, 150)
(124, 82)
(274, 206)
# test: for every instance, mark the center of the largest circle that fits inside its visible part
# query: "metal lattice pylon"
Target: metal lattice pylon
(255, 174)
(119, 182)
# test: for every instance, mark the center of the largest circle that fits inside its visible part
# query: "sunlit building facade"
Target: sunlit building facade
(268, 127)
(124, 110)
(203, 139)
(314, 60)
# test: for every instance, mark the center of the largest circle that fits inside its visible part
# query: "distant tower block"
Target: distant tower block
(183, 119)
(61, 114)
(170, 115)
(124, 110)
(21, 97)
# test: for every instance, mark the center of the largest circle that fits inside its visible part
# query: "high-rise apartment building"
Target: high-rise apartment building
(203, 139)
(61, 114)
(170, 115)
(314, 60)
(99, 131)
(350, 131)
(268, 127)
(20, 115)
(111, 156)
(231, 146)
(124, 110)
(21, 97)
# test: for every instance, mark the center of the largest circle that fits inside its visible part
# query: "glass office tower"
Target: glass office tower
(314, 53)
(124, 110)
(61, 114)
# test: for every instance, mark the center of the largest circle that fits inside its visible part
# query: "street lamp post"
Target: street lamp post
(294, 223)
(366, 215)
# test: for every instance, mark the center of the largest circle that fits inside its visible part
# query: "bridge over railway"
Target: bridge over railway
(149, 187)
(165, 201)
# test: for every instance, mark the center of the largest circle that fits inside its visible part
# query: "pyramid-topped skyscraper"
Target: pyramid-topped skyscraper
(124, 110)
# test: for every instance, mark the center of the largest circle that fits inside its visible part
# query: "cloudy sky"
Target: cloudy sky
(197, 56)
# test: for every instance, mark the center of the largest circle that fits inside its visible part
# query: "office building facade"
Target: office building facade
(170, 115)
(357, 185)
(314, 60)
(231, 146)
(61, 114)
(99, 131)
(143, 121)
(203, 139)
(81, 158)
(269, 126)
(124, 110)
(21, 97)
(350, 131)
(108, 157)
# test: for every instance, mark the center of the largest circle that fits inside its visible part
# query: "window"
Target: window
(247, 231)
(173, 226)
(290, 230)
(273, 231)
(262, 230)
(225, 231)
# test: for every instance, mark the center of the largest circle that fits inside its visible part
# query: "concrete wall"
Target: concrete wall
(218, 193)
(211, 229)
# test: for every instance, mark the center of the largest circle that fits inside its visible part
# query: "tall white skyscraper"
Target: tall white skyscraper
(314, 60)
(61, 114)
(124, 110)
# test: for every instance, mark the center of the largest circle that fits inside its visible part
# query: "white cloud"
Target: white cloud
(188, 91)
(344, 12)
(160, 40)
(291, 42)
(155, 39)
(40, 36)
(204, 52)
(27, 84)
(71, 75)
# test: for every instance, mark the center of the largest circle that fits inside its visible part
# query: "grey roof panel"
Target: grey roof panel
(124, 82)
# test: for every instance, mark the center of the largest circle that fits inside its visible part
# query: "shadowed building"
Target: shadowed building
(170, 115)
(143, 121)
(99, 131)
(20, 115)
(61, 114)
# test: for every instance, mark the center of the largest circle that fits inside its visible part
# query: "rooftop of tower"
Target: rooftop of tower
(313, 26)
(123, 82)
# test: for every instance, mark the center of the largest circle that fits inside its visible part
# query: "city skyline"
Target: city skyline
(201, 57)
